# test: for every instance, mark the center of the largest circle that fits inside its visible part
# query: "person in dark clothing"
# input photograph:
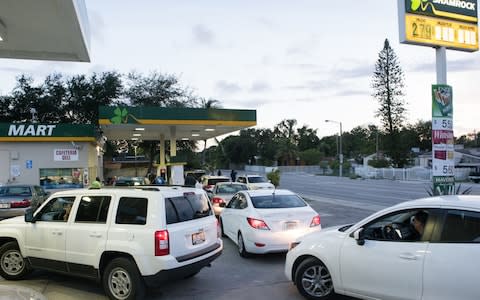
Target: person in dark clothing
(219, 173)
(233, 175)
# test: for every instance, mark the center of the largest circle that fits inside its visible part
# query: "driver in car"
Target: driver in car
(418, 221)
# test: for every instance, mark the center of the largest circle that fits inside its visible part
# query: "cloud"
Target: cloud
(13, 70)
(227, 87)
(97, 26)
(202, 35)
(347, 93)
(259, 86)
(365, 70)
(460, 65)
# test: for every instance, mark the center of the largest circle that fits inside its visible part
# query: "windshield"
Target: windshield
(256, 179)
(277, 201)
(230, 188)
(15, 191)
(214, 181)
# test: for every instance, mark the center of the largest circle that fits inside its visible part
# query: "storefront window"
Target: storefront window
(61, 178)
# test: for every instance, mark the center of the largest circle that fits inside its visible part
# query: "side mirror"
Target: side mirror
(29, 216)
(223, 204)
(358, 236)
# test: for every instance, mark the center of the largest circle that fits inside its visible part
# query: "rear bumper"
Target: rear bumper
(179, 273)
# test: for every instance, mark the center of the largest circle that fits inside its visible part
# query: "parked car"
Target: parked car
(209, 181)
(223, 192)
(389, 256)
(16, 199)
(129, 181)
(255, 182)
(265, 221)
(124, 238)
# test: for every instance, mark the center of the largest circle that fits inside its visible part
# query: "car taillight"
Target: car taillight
(315, 221)
(20, 204)
(162, 246)
(218, 200)
(209, 187)
(258, 224)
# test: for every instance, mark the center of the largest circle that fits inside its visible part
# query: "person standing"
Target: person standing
(219, 173)
(233, 175)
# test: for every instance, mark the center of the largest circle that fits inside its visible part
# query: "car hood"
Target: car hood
(14, 220)
(325, 231)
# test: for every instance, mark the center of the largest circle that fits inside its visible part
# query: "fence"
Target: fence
(408, 174)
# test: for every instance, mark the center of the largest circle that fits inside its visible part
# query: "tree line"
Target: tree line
(75, 99)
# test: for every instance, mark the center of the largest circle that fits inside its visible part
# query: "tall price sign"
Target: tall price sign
(443, 161)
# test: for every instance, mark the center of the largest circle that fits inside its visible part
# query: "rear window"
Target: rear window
(230, 188)
(214, 181)
(15, 191)
(187, 207)
(256, 179)
(277, 201)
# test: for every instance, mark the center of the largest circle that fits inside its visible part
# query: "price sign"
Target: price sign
(442, 124)
(438, 32)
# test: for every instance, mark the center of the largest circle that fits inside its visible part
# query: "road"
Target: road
(338, 201)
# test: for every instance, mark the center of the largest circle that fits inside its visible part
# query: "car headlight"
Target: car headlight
(293, 245)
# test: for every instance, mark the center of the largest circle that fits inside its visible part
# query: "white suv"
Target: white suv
(126, 238)
(255, 182)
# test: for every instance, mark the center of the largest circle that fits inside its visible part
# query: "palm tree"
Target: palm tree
(208, 104)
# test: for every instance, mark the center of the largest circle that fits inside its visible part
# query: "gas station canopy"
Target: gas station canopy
(44, 30)
(150, 123)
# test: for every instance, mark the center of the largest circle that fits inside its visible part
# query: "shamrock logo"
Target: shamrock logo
(415, 4)
(120, 116)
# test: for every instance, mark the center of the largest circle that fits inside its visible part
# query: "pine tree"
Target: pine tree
(388, 84)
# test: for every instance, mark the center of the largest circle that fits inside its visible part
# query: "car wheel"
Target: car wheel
(221, 227)
(122, 281)
(241, 247)
(313, 280)
(12, 264)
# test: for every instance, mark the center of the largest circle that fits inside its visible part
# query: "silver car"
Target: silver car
(223, 192)
(16, 199)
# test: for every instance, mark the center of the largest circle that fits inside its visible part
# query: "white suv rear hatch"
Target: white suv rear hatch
(191, 225)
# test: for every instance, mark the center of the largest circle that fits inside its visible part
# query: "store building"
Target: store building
(52, 155)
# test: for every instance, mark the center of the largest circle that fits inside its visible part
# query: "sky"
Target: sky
(304, 60)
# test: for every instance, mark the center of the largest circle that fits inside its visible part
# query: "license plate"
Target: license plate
(198, 238)
(4, 205)
(290, 225)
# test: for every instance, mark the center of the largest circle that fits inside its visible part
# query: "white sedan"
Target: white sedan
(264, 221)
(424, 249)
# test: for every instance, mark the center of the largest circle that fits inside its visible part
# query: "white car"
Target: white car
(208, 181)
(265, 221)
(125, 238)
(389, 256)
(255, 182)
(223, 192)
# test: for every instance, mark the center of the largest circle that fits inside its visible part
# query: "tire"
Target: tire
(221, 227)
(121, 280)
(313, 280)
(241, 247)
(12, 264)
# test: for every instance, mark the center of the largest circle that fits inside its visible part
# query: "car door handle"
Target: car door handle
(408, 256)
(57, 232)
(95, 234)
